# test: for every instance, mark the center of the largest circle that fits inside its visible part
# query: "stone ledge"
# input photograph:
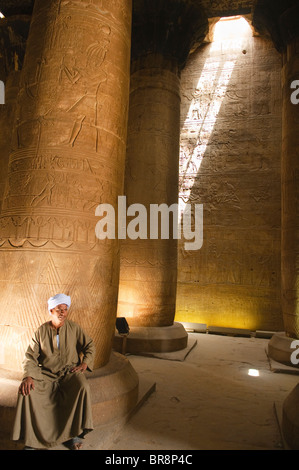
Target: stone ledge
(279, 349)
(226, 331)
(114, 389)
(152, 339)
(195, 327)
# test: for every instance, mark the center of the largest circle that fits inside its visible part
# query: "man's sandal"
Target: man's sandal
(75, 443)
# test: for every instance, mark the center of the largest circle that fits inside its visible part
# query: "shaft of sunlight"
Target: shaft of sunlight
(228, 41)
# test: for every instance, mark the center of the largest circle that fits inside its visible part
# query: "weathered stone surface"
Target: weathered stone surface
(231, 179)
(148, 267)
(152, 339)
(290, 419)
(280, 20)
(280, 349)
(7, 113)
(163, 33)
(290, 194)
(230, 163)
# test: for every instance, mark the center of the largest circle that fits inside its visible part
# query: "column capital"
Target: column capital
(168, 27)
(277, 19)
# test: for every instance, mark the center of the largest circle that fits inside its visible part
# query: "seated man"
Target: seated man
(54, 404)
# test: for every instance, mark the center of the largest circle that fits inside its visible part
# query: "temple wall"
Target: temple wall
(230, 162)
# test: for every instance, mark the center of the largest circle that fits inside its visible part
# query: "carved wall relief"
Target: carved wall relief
(230, 162)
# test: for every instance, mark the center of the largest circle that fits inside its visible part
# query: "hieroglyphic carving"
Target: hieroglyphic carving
(230, 162)
(50, 232)
(77, 83)
(148, 267)
(290, 191)
(7, 113)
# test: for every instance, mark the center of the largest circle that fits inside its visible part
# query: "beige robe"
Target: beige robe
(59, 408)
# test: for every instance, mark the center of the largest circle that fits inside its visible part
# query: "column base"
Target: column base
(290, 419)
(114, 390)
(279, 349)
(114, 394)
(152, 339)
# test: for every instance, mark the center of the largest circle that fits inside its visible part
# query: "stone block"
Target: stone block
(153, 339)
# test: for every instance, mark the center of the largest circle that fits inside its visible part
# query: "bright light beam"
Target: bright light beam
(228, 39)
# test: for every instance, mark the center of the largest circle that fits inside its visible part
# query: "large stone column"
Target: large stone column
(280, 21)
(163, 33)
(282, 346)
(290, 182)
(7, 112)
(148, 267)
(67, 157)
(13, 35)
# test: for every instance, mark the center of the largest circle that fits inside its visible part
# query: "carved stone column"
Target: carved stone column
(290, 182)
(13, 35)
(163, 34)
(68, 157)
(281, 21)
(7, 112)
(148, 267)
(290, 210)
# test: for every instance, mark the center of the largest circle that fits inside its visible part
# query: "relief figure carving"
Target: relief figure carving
(46, 192)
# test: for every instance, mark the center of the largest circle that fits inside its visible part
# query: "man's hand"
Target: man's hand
(26, 386)
(80, 368)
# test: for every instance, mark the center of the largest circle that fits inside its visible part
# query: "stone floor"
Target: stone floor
(206, 401)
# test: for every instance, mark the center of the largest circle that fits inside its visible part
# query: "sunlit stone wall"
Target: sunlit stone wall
(230, 163)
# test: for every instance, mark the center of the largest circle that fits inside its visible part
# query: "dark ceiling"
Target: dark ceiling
(212, 7)
(266, 13)
(16, 7)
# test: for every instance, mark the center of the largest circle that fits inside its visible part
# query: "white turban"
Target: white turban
(57, 300)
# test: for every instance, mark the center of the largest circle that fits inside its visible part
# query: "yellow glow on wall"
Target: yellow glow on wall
(219, 317)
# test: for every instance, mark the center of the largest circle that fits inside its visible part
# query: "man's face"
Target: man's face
(59, 314)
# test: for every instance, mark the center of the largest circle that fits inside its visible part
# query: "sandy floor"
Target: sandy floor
(206, 402)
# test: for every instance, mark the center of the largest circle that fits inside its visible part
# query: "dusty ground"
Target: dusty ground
(206, 402)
